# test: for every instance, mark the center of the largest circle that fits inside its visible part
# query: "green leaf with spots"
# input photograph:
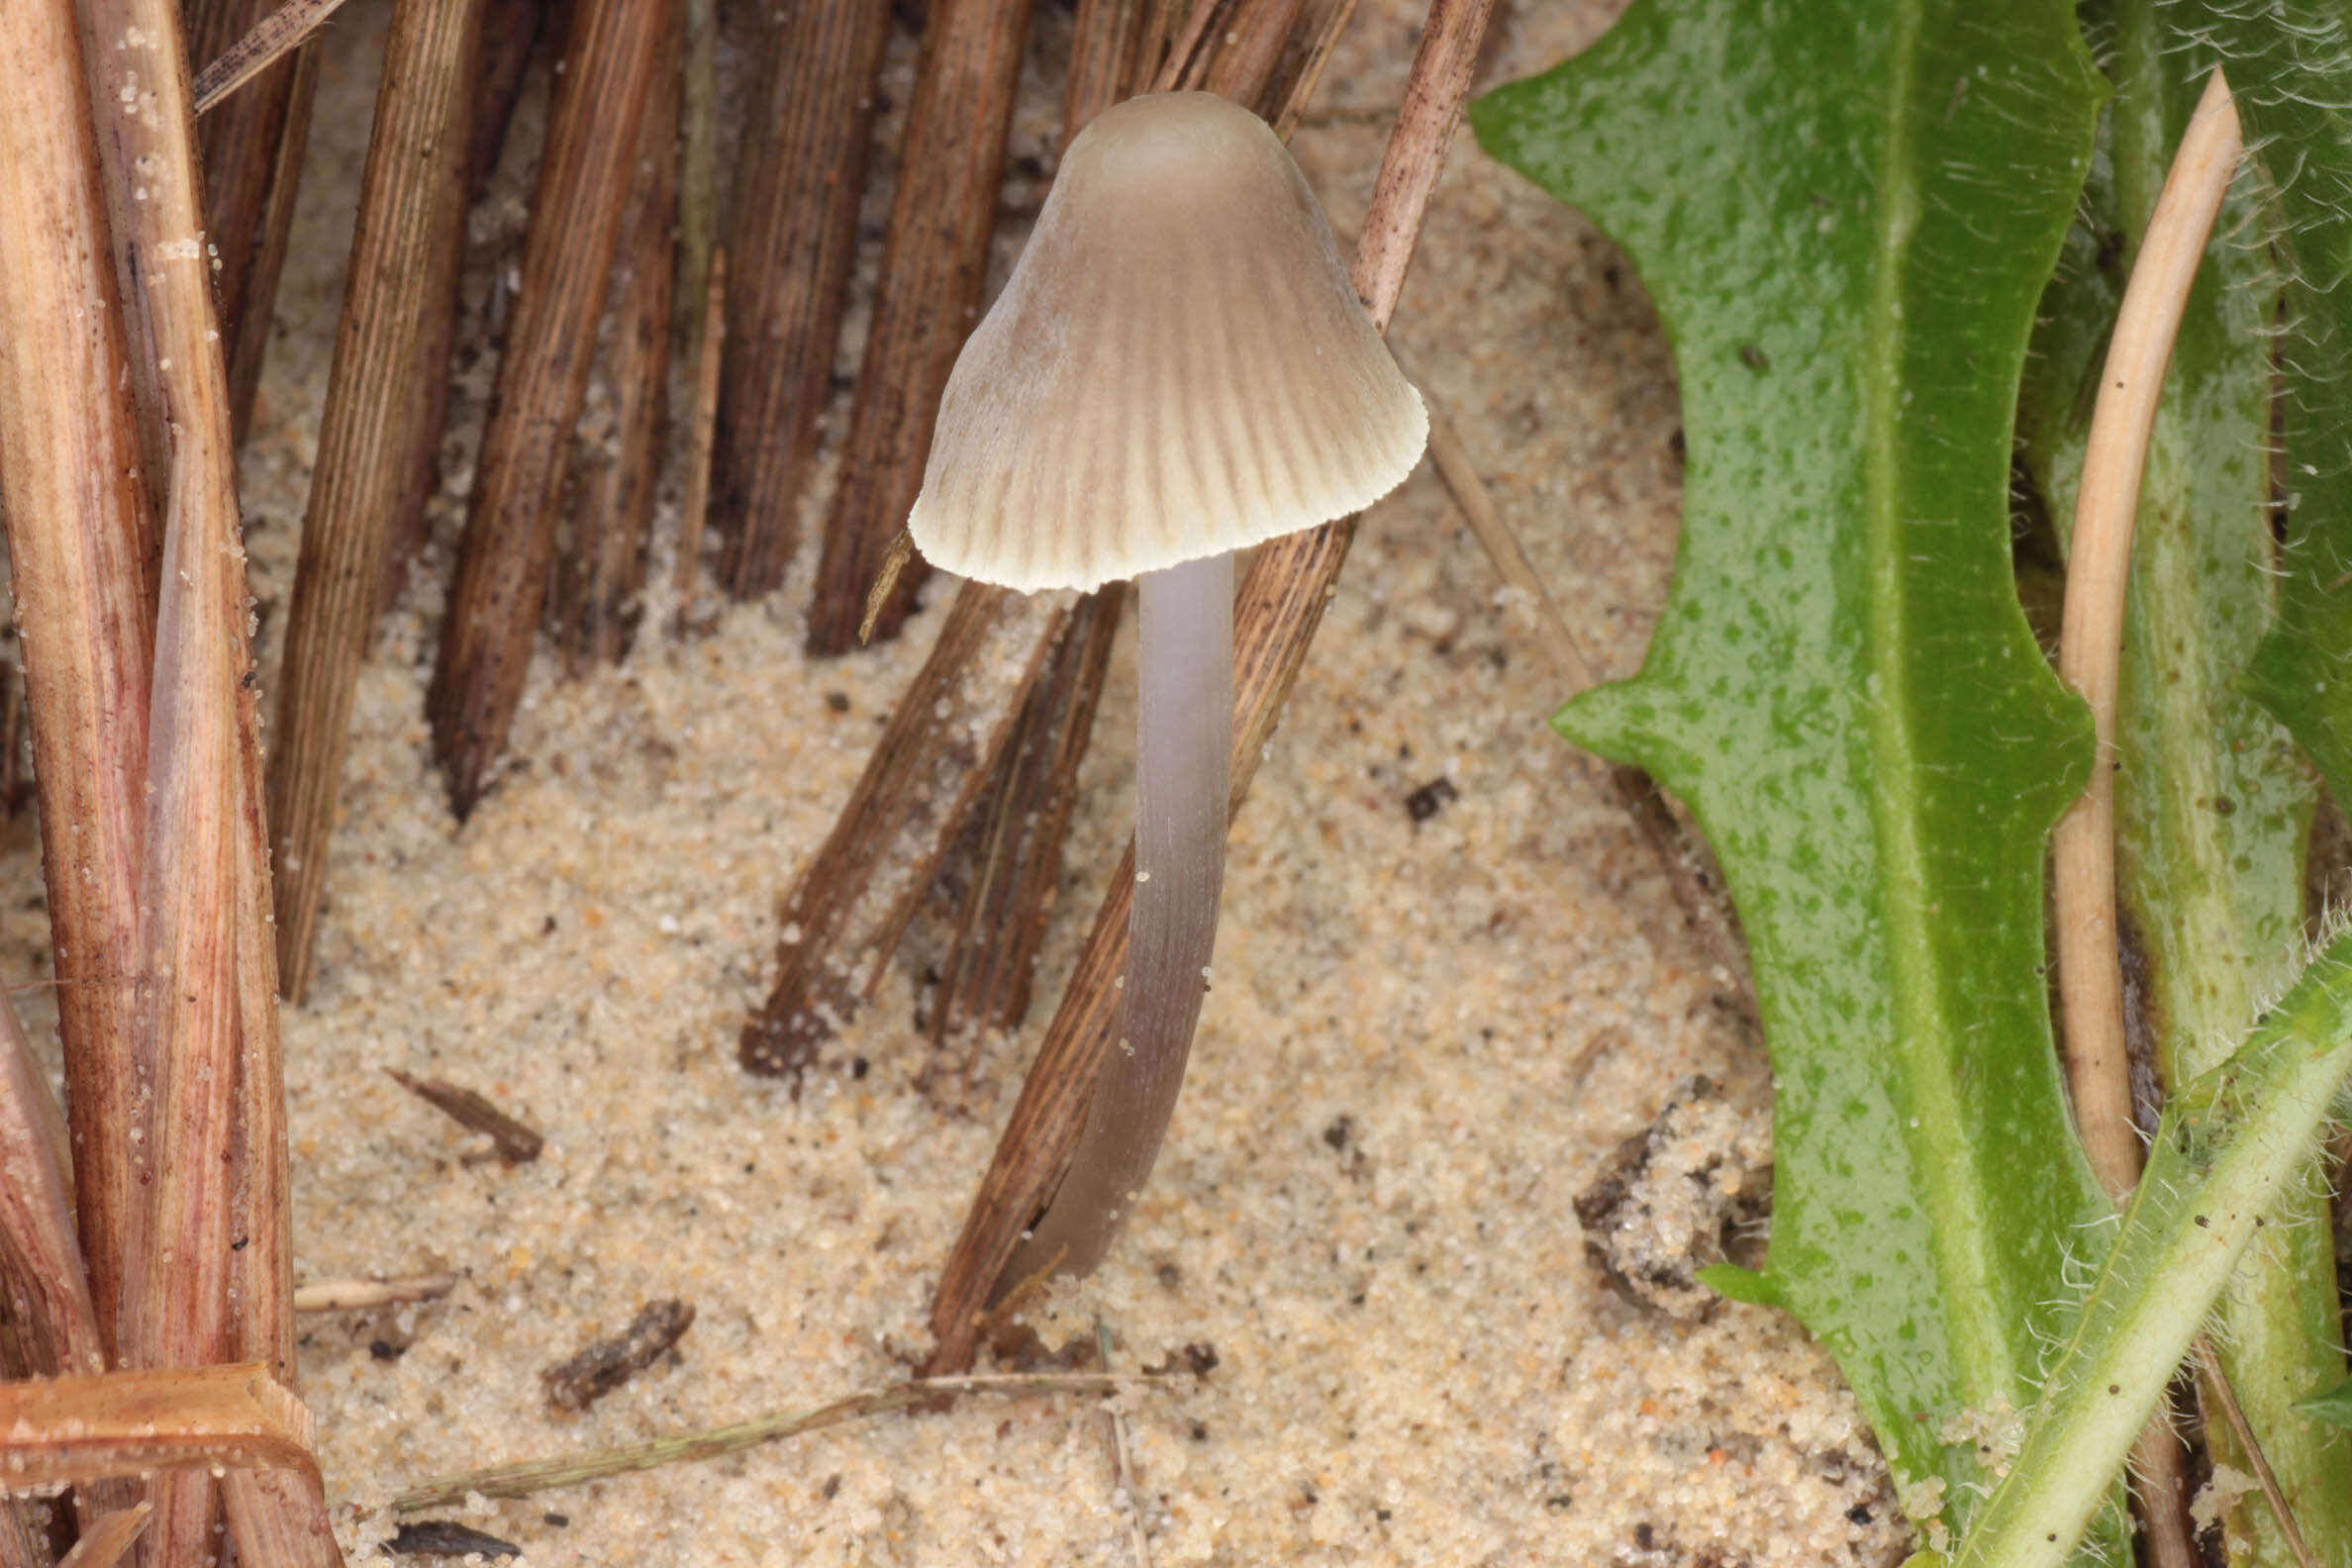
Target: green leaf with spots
(1845, 211)
(2213, 801)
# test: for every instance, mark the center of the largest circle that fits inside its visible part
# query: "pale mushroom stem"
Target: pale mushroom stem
(1184, 729)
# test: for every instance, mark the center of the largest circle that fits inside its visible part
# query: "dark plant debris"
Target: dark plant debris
(603, 1366)
(517, 1145)
(447, 1538)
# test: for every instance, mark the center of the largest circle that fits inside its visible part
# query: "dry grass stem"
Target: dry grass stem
(75, 1429)
(610, 61)
(541, 1475)
(365, 445)
(1015, 835)
(702, 439)
(277, 33)
(80, 542)
(855, 897)
(698, 162)
(598, 595)
(793, 237)
(1280, 604)
(1107, 40)
(2090, 657)
(2217, 1389)
(47, 1291)
(215, 1132)
(252, 170)
(2091, 639)
(104, 1543)
(508, 32)
(926, 296)
(1335, 21)
(358, 1294)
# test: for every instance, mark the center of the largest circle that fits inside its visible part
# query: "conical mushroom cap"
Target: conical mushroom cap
(1177, 367)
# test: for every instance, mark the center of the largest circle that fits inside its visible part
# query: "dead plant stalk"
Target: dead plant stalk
(927, 298)
(80, 542)
(510, 533)
(413, 157)
(793, 237)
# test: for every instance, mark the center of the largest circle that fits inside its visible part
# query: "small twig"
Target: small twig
(927, 297)
(541, 1475)
(696, 508)
(1122, 1459)
(2217, 1382)
(1311, 77)
(2090, 645)
(517, 1144)
(355, 1295)
(281, 32)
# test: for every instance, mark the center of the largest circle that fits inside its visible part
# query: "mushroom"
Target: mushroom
(1177, 368)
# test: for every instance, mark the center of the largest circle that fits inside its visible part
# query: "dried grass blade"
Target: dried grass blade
(934, 258)
(509, 32)
(80, 540)
(702, 436)
(597, 598)
(1280, 604)
(270, 38)
(792, 236)
(41, 1262)
(252, 170)
(364, 444)
(76, 1430)
(175, 1309)
(857, 893)
(104, 1543)
(502, 569)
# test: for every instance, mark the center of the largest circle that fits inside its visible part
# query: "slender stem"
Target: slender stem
(2217, 1381)
(539, 1475)
(1184, 716)
(2090, 642)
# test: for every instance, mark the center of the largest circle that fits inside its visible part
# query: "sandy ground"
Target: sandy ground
(1425, 1041)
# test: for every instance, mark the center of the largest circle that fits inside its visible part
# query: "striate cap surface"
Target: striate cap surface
(1177, 367)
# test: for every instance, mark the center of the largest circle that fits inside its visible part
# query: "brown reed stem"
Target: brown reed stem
(793, 237)
(698, 161)
(597, 598)
(508, 32)
(252, 145)
(365, 443)
(75, 1430)
(844, 915)
(1280, 604)
(935, 258)
(80, 542)
(41, 1262)
(175, 1299)
(502, 567)
(695, 508)
(226, 60)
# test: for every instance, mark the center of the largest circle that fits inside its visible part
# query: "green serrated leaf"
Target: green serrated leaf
(2290, 68)
(2212, 801)
(1845, 212)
